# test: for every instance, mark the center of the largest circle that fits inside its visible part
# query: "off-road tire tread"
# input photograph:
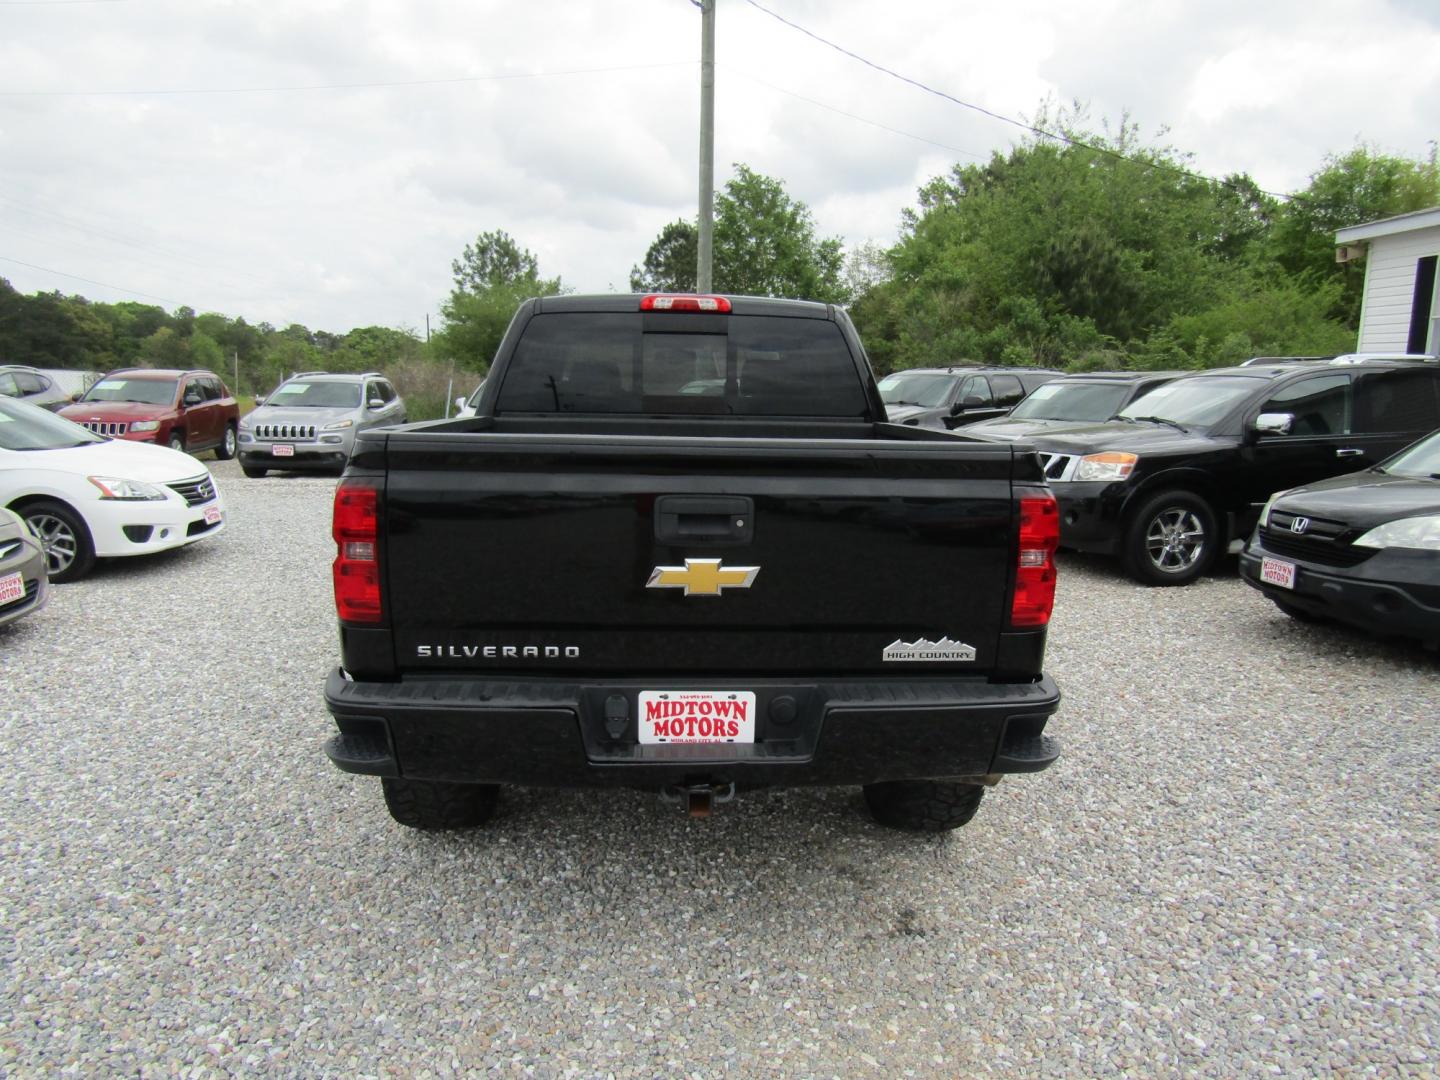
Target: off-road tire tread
(927, 806)
(421, 804)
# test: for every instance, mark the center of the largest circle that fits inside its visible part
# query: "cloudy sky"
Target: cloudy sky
(324, 161)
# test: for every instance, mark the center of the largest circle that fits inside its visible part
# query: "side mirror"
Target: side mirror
(259, 401)
(1274, 423)
(192, 398)
(376, 403)
(460, 402)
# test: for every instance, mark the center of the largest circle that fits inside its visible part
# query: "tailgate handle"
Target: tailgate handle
(704, 519)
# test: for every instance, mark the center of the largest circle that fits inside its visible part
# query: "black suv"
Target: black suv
(1183, 471)
(948, 397)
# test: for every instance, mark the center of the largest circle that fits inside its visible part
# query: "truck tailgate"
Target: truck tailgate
(568, 553)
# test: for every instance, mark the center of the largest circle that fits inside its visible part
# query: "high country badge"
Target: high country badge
(702, 577)
(943, 650)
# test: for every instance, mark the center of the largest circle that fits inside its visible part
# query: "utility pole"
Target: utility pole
(707, 146)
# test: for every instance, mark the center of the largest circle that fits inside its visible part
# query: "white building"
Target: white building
(1400, 311)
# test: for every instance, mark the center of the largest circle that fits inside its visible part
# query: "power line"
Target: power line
(338, 86)
(88, 281)
(1044, 133)
(853, 116)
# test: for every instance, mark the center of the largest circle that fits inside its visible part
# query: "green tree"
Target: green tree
(494, 260)
(492, 278)
(671, 262)
(1352, 189)
(764, 245)
(1060, 252)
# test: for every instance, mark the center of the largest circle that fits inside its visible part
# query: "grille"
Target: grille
(197, 490)
(1314, 546)
(1058, 466)
(105, 427)
(286, 431)
(31, 588)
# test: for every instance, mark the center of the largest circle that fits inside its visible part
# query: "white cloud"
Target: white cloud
(344, 207)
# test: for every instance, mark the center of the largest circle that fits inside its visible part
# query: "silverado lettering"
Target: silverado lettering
(632, 464)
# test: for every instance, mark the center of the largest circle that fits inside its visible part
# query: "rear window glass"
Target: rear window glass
(609, 363)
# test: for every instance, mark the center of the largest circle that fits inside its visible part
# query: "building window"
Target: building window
(1422, 307)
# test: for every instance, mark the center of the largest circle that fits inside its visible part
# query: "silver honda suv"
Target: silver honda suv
(310, 421)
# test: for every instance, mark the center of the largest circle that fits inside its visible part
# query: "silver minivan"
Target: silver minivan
(310, 421)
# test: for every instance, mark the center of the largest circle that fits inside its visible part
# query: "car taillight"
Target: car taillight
(1035, 570)
(686, 302)
(356, 528)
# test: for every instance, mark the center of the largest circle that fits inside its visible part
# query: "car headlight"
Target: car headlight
(113, 487)
(1416, 532)
(339, 425)
(1112, 465)
(1265, 511)
(145, 425)
(245, 422)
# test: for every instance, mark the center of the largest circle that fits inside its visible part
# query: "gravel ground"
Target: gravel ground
(1231, 871)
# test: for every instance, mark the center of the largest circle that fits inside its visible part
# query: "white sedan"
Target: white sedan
(88, 497)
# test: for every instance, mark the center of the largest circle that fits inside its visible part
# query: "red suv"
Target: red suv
(185, 410)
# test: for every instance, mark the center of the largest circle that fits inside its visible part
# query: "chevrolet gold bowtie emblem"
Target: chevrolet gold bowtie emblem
(702, 577)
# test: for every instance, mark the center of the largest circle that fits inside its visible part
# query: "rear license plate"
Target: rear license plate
(212, 515)
(281, 450)
(1277, 572)
(12, 588)
(697, 716)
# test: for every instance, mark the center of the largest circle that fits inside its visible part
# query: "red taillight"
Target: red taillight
(1035, 567)
(719, 305)
(356, 530)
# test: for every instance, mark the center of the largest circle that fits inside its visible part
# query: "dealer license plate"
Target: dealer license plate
(212, 515)
(282, 450)
(1277, 572)
(697, 716)
(12, 588)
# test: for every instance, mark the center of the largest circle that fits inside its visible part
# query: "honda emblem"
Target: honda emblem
(1300, 524)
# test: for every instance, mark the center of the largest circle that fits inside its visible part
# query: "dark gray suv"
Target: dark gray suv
(310, 421)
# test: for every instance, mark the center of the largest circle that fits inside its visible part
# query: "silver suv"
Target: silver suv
(310, 421)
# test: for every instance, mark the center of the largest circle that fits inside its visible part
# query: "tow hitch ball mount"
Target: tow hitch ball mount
(698, 799)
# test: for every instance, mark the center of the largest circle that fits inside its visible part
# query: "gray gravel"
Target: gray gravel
(1232, 871)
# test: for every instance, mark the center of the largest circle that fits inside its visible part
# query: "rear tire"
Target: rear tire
(927, 806)
(228, 445)
(69, 551)
(1171, 539)
(422, 804)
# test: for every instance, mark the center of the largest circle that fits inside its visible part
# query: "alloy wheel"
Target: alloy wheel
(1175, 540)
(58, 539)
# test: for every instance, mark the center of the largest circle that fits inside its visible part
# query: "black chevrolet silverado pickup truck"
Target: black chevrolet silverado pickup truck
(680, 548)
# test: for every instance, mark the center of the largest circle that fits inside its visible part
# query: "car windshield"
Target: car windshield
(916, 388)
(1418, 459)
(29, 427)
(142, 391)
(1071, 401)
(1197, 402)
(317, 395)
